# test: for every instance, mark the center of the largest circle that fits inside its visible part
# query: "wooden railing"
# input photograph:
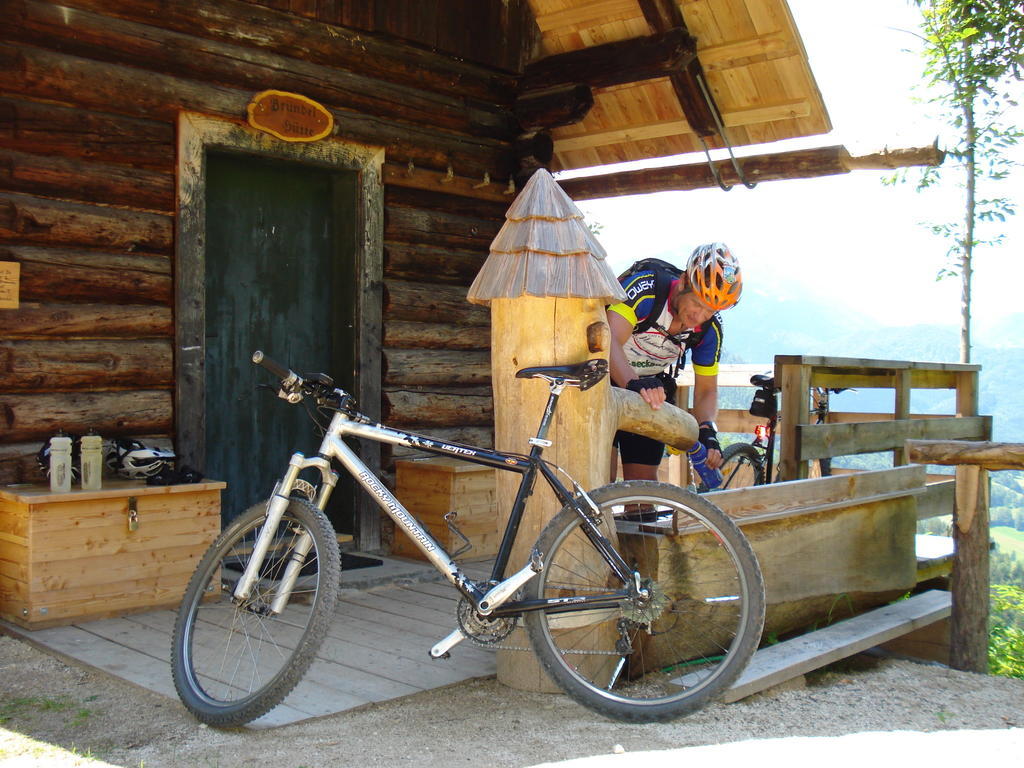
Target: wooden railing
(800, 441)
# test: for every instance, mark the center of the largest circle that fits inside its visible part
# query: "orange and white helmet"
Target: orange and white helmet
(714, 275)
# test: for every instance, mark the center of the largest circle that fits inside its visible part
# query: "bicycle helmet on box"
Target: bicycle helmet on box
(131, 459)
(714, 275)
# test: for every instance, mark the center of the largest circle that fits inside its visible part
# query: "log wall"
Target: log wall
(90, 92)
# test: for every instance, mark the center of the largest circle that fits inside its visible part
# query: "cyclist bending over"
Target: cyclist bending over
(666, 314)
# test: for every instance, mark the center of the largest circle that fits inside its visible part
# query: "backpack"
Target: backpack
(664, 275)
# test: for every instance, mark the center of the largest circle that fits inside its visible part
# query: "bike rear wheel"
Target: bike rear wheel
(653, 658)
(741, 467)
(233, 662)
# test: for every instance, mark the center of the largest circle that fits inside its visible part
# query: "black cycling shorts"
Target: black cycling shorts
(638, 449)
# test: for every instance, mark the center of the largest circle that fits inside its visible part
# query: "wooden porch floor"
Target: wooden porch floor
(376, 649)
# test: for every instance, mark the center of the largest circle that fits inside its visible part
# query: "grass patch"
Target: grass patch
(27, 706)
(1008, 539)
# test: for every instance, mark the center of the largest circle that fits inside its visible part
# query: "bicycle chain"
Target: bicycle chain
(466, 618)
(497, 647)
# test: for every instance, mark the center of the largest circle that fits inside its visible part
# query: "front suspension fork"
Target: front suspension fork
(276, 507)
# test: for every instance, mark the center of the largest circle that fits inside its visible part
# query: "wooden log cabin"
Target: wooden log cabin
(160, 237)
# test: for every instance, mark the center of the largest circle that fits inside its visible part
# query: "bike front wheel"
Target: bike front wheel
(741, 467)
(673, 636)
(233, 661)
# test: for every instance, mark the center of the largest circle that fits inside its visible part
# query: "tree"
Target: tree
(972, 53)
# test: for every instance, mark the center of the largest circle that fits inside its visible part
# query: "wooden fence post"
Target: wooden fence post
(901, 410)
(973, 460)
(794, 380)
(969, 618)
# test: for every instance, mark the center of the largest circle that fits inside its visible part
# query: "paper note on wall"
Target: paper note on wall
(9, 275)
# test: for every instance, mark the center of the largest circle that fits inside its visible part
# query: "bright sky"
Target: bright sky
(847, 239)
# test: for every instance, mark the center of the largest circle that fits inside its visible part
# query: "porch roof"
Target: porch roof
(749, 58)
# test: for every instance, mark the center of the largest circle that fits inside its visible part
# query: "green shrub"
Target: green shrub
(1006, 635)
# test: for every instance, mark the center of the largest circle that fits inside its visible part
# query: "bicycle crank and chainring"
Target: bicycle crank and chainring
(483, 630)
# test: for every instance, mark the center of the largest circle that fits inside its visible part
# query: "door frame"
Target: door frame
(197, 135)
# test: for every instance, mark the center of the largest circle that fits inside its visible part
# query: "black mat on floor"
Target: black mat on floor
(350, 562)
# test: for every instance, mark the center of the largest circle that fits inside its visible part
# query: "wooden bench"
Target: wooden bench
(934, 557)
(828, 548)
(776, 664)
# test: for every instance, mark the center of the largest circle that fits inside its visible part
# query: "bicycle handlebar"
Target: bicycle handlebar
(319, 386)
(273, 366)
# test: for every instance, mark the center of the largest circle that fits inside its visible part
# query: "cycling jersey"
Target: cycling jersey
(654, 350)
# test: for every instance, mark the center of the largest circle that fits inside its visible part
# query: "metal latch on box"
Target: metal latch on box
(133, 514)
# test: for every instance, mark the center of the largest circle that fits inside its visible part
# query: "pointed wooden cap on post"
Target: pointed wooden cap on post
(545, 249)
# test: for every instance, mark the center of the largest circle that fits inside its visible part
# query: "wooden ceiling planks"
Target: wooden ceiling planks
(755, 67)
(558, 19)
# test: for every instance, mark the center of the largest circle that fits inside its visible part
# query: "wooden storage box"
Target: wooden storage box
(431, 488)
(68, 557)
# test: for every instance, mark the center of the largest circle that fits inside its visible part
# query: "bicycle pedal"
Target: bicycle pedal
(442, 648)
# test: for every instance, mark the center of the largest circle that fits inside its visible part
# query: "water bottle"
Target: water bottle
(92, 462)
(698, 454)
(60, 464)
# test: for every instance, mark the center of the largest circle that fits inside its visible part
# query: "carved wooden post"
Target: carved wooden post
(547, 285)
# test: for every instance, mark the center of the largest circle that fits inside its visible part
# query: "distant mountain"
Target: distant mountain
(764, 325)
(1007, 332)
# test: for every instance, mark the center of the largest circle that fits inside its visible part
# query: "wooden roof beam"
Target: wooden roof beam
(737, 117)
(624, 61)
(799, 164)
(553, 107)
(665, 14)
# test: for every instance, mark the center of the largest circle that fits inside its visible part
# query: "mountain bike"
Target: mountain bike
(747, 464)
(629, 636)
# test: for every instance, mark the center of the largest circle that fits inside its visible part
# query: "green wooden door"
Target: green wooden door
(279, 278)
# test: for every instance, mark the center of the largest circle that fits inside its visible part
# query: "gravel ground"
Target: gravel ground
(56, 714)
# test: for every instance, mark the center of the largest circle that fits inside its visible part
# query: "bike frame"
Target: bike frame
(494, 601)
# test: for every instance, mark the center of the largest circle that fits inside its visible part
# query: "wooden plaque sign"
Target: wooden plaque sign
(9, 272)
(289, 116)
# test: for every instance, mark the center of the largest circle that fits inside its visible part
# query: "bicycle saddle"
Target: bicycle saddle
(763, 380)
(583, 375)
